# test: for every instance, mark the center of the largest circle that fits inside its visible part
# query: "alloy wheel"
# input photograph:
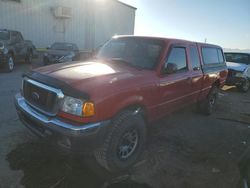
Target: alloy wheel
(127, 144)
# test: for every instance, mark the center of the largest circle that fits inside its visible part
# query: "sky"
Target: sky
(222, 22)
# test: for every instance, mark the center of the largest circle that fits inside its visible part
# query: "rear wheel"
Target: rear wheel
(124, 143)
(208, 105)
(9, 66)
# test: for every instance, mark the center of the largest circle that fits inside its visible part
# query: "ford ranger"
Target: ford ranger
(107, 105)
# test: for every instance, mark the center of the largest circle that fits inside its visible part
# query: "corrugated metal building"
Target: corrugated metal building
(88, 23)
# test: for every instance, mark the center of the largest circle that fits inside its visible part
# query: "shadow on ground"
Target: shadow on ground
(186, 150)
(45, 167)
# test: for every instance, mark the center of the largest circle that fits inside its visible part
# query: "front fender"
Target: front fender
(111, 107)
(129, 102)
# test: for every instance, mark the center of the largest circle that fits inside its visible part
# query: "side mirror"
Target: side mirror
(196, 68)
(48, 47)
(171, 68)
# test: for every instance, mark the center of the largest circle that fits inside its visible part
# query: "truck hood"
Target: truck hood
(237, 66)
(89, 77)
(78, 71)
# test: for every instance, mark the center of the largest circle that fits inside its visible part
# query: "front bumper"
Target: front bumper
(3, 58)
(71, 137)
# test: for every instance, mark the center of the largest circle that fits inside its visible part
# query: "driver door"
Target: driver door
(175, 86)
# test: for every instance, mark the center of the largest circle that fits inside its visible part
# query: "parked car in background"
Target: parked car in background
(239, 70)
(14, 48)
(61, 52)
(105, 106)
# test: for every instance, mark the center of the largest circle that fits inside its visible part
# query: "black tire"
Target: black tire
(29, 57)
(208, 105)
(111, 155)
(244, 87)
(9, 65)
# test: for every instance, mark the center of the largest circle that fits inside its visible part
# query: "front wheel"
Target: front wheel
(29, 57)
(244, 87)
(9, 66)
(124, 142)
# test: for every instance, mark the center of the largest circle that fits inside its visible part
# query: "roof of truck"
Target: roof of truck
(166, 39)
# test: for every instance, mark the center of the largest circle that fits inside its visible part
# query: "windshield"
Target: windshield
(138, 52)
(4, 35)
(62, 46)
(237, 58)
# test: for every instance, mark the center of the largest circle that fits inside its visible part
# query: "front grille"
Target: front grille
(2, 58)
(40, 98)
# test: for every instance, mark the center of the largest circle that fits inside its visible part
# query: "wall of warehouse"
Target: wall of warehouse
(35, 19)
(92, 22)
(113, 19)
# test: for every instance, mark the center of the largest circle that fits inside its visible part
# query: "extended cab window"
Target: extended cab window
(177, 58)
(20, 37)
(15, 36)
(194, 57)
(212, 55)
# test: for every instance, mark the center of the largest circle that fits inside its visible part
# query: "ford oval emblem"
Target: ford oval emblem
(35, 96)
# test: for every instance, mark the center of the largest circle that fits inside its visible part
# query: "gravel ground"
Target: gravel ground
(184, 150)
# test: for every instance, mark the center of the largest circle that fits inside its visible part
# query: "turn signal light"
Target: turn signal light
(88, 109)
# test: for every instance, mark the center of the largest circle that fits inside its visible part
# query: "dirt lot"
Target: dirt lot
(184, 150)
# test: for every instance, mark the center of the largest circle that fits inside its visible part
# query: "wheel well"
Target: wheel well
(217, 83)
(12, 53)
(137, 108)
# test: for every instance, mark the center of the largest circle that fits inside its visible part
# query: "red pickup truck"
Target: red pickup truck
(107, 104)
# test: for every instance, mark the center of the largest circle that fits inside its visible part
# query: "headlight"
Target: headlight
(72, 106)
(77, 107)
(71, 55)
(68, 57)
(5, 51)
(239, 74)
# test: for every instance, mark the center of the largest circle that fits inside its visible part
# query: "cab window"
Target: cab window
(195, 60)
(176, 60)
(212, 55)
